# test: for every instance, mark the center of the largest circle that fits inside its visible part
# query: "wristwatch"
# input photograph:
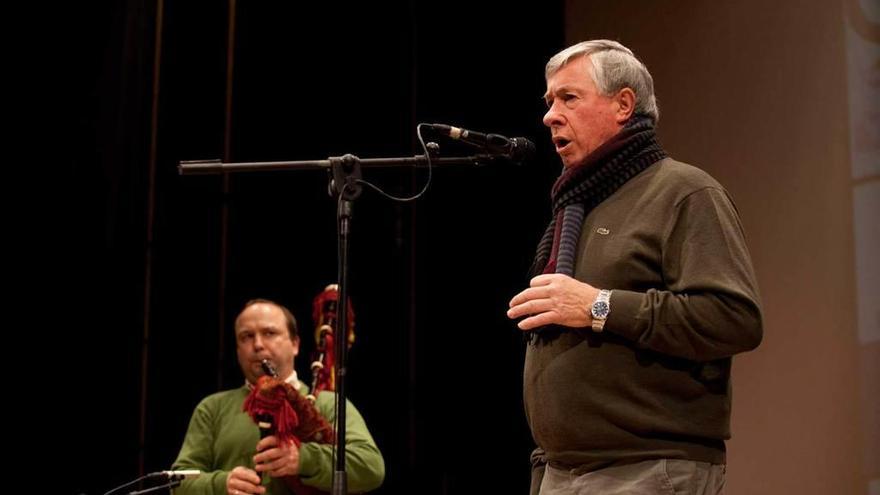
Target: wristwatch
(600, 309)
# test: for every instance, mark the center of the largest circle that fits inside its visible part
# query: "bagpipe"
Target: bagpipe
(280, 410)
(324, 310)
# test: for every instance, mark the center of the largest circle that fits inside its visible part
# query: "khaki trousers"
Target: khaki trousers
(657, 477)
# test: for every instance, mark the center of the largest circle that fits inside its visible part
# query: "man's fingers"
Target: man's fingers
(530, 307)
(245, 474)
(272, 465)
(267, 442)
(544, 279)
(530, 293)
(265, 458)
(538, 320)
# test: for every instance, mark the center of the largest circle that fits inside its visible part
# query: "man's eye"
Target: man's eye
(567, 99)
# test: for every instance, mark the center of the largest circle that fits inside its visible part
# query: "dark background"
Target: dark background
(144, 281)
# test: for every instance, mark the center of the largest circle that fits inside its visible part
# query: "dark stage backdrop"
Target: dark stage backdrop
(436, 369)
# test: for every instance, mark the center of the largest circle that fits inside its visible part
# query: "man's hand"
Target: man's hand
(276, 458)
(553, 299)
(243, 481)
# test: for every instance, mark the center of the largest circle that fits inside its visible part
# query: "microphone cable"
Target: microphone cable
(409, 198)
(120, 487)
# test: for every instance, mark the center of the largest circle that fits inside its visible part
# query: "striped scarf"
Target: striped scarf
(582, 187)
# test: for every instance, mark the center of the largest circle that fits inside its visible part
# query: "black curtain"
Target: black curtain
(436, 369)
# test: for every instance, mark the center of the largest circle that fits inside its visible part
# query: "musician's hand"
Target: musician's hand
(243, 481)
(553, 299)
(276, 458)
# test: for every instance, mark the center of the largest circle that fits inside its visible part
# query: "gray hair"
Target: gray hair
(614, 67)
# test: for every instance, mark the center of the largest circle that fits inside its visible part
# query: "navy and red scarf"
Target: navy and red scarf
(582, 187)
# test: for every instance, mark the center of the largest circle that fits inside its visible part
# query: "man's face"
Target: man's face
(261, 333)
(580, 119)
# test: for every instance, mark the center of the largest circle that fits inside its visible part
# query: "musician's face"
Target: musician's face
(261, 333)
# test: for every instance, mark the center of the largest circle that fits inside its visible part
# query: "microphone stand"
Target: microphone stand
(345, 172)
(171, 484)
(211, 167)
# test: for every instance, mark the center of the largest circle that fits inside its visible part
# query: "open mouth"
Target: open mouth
(561, 143)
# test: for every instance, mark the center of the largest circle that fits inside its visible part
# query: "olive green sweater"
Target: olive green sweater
(656, 382)
(221, 437)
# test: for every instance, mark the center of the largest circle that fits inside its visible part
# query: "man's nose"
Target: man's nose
(552, 117)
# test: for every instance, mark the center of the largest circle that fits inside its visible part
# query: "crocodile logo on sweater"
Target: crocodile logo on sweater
(602, 231)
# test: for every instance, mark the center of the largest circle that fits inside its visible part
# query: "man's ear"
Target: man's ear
(626, 104)
(296, 345)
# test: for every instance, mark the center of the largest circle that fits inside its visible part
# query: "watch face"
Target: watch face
(600, 310)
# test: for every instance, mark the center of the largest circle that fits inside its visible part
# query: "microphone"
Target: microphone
(518, 149)
(176, 475)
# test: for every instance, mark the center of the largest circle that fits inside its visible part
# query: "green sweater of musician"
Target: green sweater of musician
(221, 437)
